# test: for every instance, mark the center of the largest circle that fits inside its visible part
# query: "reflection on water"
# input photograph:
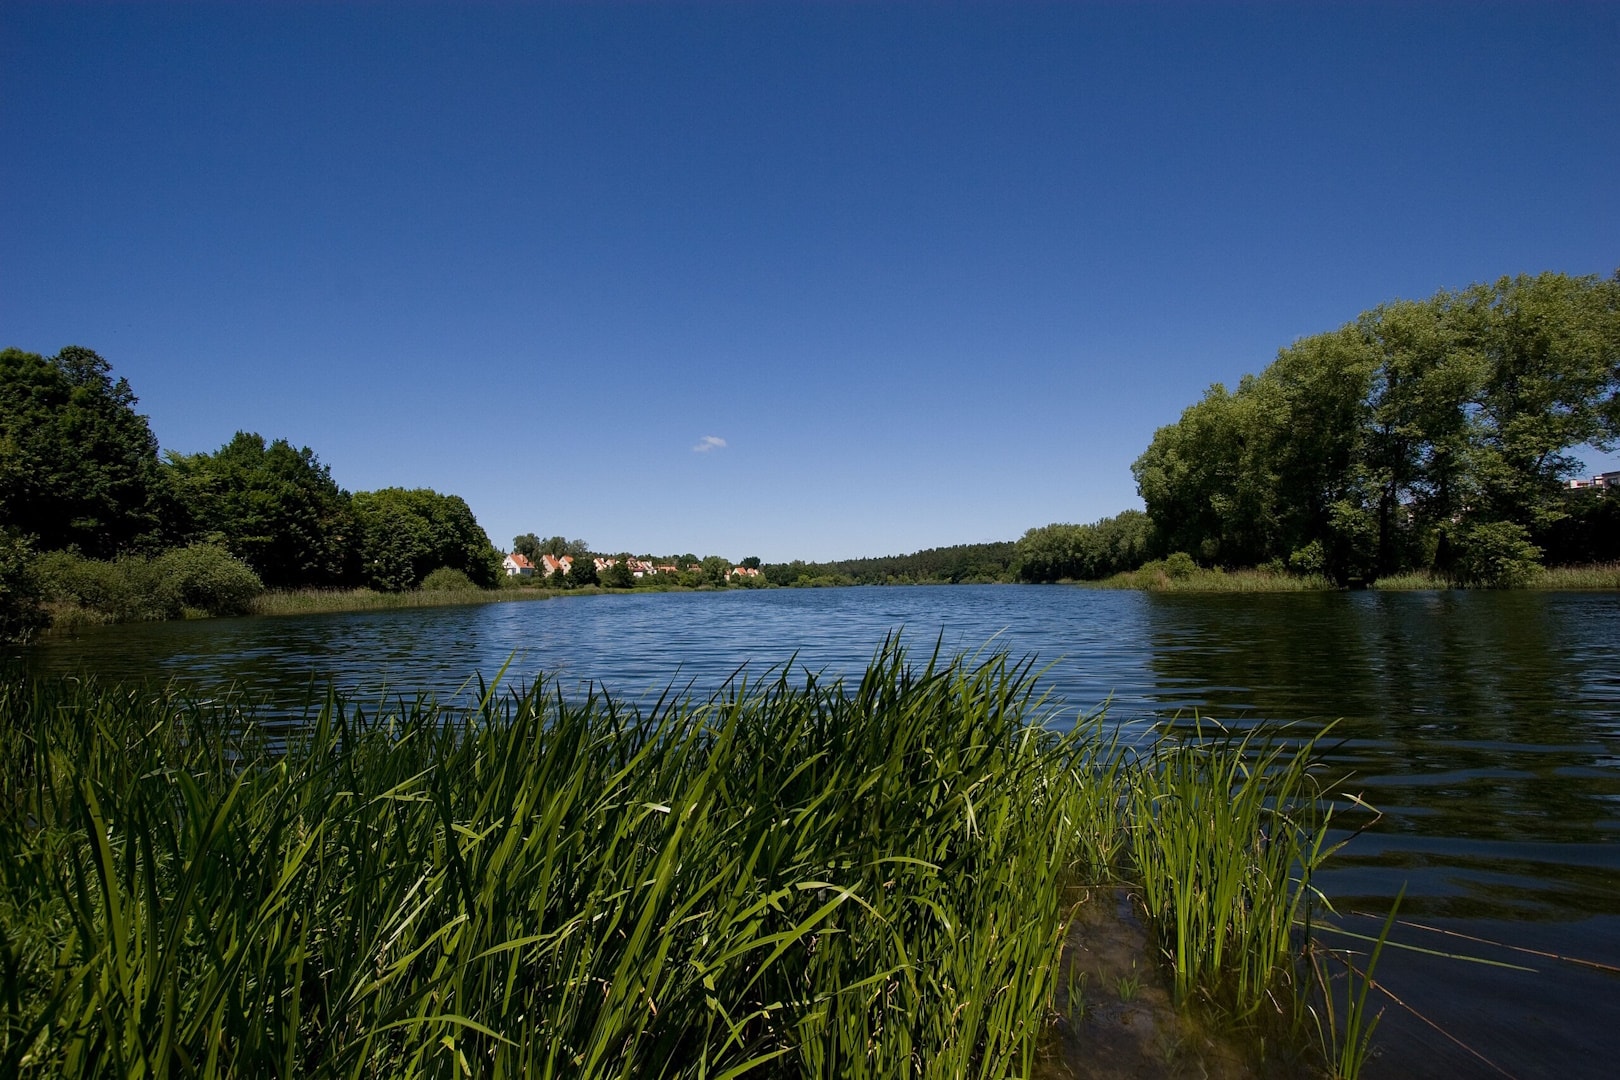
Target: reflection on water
(1485, 726)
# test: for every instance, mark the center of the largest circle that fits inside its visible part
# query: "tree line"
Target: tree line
(82, 481)
(958, 564)
(1436, 435)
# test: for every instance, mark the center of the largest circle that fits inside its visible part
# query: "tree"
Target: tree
(527, 545)
(558, 546)
(405, 534)
(274, 507)
(751, 563)
(78, 466)
(1086, 552)
(619, 575)
(1405, 438)
(583, 570)
(715, 570)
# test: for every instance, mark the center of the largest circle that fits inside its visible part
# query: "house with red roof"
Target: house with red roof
(517, 565)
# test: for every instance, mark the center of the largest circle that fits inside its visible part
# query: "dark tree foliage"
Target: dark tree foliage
(20, 593)
(527, 545)
(619, 575)
(558, 546)
(274, 507)
(78, 466)
(407, 534)
(582, 571)
(1433, 434)
(961, 564)
(1086, 552)
(1587, 532)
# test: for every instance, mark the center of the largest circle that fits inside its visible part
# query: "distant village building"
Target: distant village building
(1601, 480)
(553, 564)
(744, 571)
(517, 565)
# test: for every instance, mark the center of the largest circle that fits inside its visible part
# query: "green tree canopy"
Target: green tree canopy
(273, 506)
(1086, 552)
(619, 575)
(78, 466)
(527, 545)
(407, 534)
(558, 546)
(1407, 438)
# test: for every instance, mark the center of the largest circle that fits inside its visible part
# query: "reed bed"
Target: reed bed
(311, 601)
(801, 879)
(1412, 581)
(1596, 576)
(1201, 580)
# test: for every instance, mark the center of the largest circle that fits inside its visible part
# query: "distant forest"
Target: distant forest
(958, 565)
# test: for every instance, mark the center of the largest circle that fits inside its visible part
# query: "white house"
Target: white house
(517, 565)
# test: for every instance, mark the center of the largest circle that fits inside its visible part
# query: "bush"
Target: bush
(20, 613)
(125, 590)
(207, 578)
(132, 589)
(1179, 565)
(447, 579)
(1496, 555)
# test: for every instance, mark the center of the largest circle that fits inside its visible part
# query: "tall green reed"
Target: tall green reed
(1226, 833)
(785, 880)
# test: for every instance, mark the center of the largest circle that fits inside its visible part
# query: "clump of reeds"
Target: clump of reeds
(1227, 831)
(1412, 581)
(804, 880)
(1154, 577)
(792, 879)
(1595, 576)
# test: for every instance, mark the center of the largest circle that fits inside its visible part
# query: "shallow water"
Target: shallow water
(1486, 727)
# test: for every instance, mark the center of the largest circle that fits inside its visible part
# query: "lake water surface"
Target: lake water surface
(1485, 727)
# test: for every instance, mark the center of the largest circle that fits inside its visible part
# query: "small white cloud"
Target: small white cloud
(709, 442)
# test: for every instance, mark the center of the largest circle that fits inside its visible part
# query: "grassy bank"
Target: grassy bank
(311, 601)
(1156, 577)
(1598, 576)
(789, 880)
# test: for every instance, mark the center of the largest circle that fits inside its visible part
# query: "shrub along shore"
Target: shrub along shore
(790, 879)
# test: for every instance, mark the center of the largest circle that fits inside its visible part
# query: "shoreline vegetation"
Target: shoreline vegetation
(1426, 444)
(71, 611)
(69, 617)
(791, 878)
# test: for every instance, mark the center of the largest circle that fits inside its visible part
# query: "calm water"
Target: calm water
(1486, 727)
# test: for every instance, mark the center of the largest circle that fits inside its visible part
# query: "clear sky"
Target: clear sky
(816, 281)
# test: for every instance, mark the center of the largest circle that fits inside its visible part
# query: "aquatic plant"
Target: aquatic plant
(1227, 831)
(799, 879)
(790, 878)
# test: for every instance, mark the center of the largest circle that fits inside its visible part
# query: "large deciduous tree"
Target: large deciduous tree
(1436, 433)
(78, 466)
(274, 507)
(406, 534)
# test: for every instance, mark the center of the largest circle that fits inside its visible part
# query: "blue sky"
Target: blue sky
(931, 274)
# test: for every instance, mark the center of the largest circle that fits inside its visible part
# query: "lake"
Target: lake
(1484, 726)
